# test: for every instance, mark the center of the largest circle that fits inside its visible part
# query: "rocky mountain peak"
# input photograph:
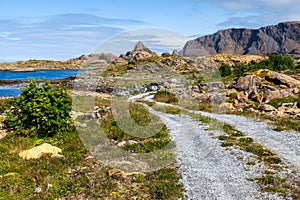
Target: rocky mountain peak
(141, 47)
(140, 51)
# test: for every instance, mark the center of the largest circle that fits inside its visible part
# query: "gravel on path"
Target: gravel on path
(285, 144)
(209, 171)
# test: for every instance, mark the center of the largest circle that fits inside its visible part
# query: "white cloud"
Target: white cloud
(237, 5)
(14, 38)
(257, 13)
(59, 36)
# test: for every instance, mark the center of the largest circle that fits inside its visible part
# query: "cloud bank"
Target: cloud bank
(56, 37)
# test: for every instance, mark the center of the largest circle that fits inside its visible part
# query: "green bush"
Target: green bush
(225, 70)
(281, 63)
(40, 111)
(275, 62)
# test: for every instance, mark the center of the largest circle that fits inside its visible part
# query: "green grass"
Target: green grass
(148, 103)
(277, 102)
(4, 103)
(273, 184)
(162, 184)
(165, 97)
(167, 109)
(147, 146)
(172, 110)
(141, 116)
(279, 123)
(75, 176)
(238, 138)
(229, 129)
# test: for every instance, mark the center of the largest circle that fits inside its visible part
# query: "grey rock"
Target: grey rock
(266, 108)
(246, 83)
(283, 79)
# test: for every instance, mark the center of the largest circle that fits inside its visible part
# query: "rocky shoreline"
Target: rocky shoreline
(18, 82)
(34, 69)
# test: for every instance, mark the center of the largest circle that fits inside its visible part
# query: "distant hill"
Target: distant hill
(94, 58)
(283, 38)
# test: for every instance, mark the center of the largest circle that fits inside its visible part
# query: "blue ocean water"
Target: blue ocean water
(15, 90)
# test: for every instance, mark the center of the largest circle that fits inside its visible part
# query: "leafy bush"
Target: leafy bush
(3, 104)
(166, 97)
(275, 62)
(41, 111)
(280, 62)
(225, 70)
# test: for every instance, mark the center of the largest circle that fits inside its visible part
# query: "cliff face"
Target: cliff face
(283, 38)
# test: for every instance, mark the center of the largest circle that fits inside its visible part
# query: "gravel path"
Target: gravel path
(208, 171)
(285, 144)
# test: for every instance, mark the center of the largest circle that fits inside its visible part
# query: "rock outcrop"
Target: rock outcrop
(246, 83)
(140, 51)
(231, 59)
(282, 38)
(40, 151)
(284, 79)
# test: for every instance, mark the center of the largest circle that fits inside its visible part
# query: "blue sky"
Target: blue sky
(60, 29)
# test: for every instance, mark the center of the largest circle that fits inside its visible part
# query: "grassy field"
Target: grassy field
(80, 175)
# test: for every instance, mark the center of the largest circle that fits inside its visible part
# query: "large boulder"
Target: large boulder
(281, 93)
(246, 83)
(39, 151)
(279, 78)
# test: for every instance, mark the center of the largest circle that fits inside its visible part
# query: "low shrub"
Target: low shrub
(166, 97)
(40, 110)
(225, 70)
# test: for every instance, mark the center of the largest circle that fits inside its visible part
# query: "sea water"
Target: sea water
(15, 90)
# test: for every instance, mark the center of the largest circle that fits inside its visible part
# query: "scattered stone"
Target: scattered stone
(130, 142)
(57, 156)
(228, 106)
(266, 108)
(254, 95)
(38, 190)
(120, 144)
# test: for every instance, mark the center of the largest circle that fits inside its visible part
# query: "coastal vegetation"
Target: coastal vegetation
(41, 115)
(40, 110)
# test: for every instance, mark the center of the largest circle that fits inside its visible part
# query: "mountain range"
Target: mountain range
(283, 38)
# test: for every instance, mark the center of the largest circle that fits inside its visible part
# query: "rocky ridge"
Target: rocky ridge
(282, 38)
